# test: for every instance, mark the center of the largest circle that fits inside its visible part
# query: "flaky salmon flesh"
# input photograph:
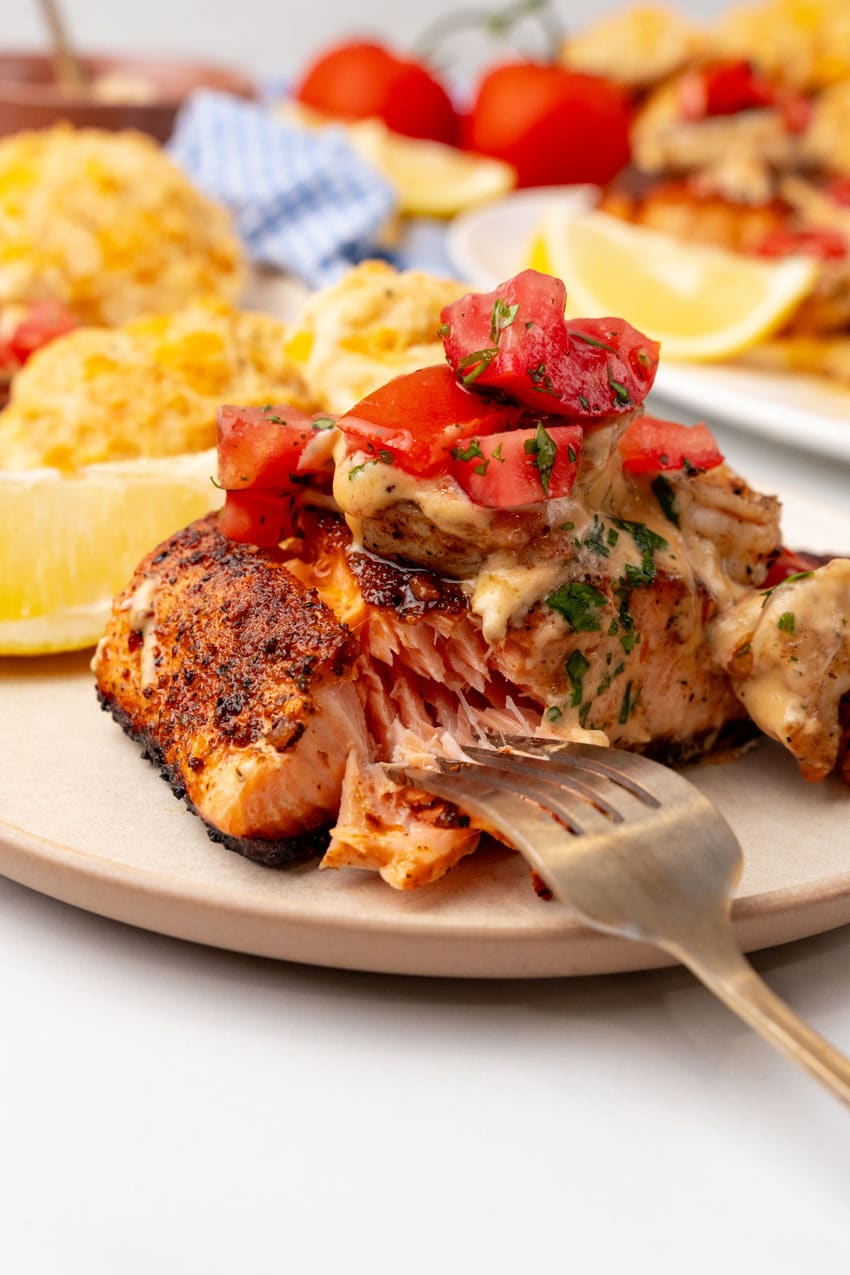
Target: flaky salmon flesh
(270, 685)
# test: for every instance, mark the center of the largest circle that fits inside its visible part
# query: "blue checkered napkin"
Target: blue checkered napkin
(302, 200)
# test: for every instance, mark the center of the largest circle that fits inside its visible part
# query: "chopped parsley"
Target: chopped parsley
(612, 537)
(629, 640)
(584, 402)
(628, 706)
(786, 622)
(541, 380)
(496, 454)
(647, 542)
(544, 449)
(553, 713)
(481, 469)
(591, 340)
(582, 714)
(595, 538)
(324, 422)
(620, 392)
(662, 490)
(798, 575)
(502, 317)
(472, 452)
(474, 364)
(579, 604)
(443, 329)
(577, 666)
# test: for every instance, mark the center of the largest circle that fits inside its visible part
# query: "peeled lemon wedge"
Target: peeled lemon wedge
(702, 303)
(68, 543)
(431, 180)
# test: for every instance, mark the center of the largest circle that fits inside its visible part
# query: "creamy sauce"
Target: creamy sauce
(589, 538)
(793, 650)
(141, 618)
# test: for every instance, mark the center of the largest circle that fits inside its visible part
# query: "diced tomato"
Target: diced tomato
(791, 563)
(650, 445)
(260, 447)
(517, 341)
(723, 88)
(255, 517)
(520, 467)
(823, 242)
(43, 322)
(418, 418)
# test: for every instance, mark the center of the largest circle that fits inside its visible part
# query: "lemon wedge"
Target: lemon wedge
(702, 303)
(68, 543)
(430, 179)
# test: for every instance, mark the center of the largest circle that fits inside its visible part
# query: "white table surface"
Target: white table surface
(168, 1108)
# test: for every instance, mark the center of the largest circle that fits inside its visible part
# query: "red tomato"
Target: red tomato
(44, 321)
(522, 467)
(723, 88)
(824, 243)
(650, 445)
(255, 517)
(838, 191)
(791, 563)
(516, 340)
(261, 447)
(359, 79)
(555, 126)
(416, 419)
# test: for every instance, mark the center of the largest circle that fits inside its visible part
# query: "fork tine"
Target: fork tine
(649, 780)
(618, 802)
(493, 790)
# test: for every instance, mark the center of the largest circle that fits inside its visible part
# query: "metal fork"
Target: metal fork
(637, 851)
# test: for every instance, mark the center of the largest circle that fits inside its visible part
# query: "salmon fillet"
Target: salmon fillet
(238, 681)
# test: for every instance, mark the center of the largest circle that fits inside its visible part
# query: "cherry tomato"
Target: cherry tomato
(262, 447)
(650, 445)
(822, 242)
(516, 340)
(520, 467)
(360, 79)
(555, 126)
(723, 88)
(418, 418)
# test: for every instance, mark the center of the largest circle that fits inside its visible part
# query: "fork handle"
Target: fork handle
(721, 967)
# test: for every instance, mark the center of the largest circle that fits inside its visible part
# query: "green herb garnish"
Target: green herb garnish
(577, 666)
(544, 449)
(662, 490)
(502, 317)
(786, 622)
(472, 452)
(579, 604)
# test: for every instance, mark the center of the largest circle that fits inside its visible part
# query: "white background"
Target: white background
(264, 35)
(167, 1108)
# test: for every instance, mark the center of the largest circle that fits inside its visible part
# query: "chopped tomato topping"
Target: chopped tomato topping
(791, 563)
(519, 467)
(650, 445)
(262, 447)
(723, 88)
(255, 517)
(824, 243)
(517, 341)
(415, 420)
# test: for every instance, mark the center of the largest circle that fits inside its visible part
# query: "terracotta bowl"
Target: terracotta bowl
(30, 97)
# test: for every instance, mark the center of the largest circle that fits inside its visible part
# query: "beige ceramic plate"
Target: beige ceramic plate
(84, 820)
